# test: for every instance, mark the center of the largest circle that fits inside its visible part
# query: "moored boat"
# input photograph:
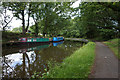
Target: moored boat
(29, 40)
(57, 39)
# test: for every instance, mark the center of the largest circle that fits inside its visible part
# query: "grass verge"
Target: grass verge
(113, 44)
(78, 65)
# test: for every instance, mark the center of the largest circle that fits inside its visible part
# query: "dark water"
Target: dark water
(22, 63)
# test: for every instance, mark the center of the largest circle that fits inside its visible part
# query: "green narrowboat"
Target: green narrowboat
(34, 39)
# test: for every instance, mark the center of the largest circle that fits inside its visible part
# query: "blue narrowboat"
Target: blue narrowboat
(57, 39)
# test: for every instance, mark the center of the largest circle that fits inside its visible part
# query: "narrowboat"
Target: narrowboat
(57, 39)
(34, 40)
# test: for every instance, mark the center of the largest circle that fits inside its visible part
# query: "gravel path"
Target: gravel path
(106, 64)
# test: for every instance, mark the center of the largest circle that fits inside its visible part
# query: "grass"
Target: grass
(78, 65)
(113, 44)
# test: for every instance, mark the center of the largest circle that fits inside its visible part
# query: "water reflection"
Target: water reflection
(26, 61)
(57, 43)
(34, 48)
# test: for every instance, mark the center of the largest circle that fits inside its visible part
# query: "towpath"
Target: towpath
(77, 39)
(106, 63)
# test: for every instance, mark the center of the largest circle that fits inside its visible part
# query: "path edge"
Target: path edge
(116, 58)
(94, 64)
(111, 50)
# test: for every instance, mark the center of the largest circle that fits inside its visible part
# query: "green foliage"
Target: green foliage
(73, 29)
(114, 45)
(96, 20)
(50, 17)
(78, 65)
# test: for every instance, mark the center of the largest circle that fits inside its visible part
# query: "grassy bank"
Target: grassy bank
(113, 44)
(78, 65)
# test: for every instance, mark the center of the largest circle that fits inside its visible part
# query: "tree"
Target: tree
(55, 17)
(19, 10)
(5, 18)
(94, 20)
(115, 6)
(50, 15)
(36, 16)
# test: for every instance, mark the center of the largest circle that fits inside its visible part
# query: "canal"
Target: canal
(24, 62)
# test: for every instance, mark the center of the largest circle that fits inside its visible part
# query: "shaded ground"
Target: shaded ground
(106, 64)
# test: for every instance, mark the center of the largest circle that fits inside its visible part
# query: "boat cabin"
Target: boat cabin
(23, 39)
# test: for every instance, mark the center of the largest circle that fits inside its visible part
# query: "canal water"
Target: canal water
(24, 62)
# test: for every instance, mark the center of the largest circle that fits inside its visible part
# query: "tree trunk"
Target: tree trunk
(45, 27)
(44, 34)
(28, 17)
(3, 28)
(23, 71)
(36, 29)
(44, 30)
(23, 23)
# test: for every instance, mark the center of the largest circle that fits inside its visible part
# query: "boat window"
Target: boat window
(29, 39)
(23, 39)
(34, 39)
(20, 39)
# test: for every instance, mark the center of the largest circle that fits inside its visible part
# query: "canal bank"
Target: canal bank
(78, 65)
(77, 39)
